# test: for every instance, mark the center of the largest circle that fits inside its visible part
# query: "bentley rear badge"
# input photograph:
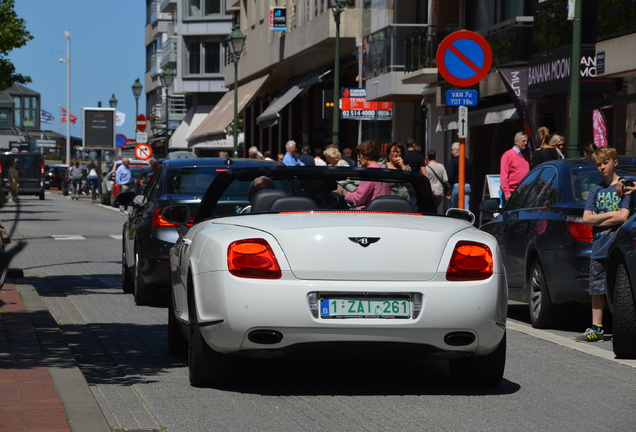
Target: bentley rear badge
(364, 241)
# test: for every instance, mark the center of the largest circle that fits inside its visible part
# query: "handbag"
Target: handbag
(445, 185)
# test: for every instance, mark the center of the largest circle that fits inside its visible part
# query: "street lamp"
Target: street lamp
(68, 96)
(235, 43)
(113, 101)
(136, 89)
(167, 76)
(337, 7)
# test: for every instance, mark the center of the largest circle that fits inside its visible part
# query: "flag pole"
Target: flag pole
(68, 97)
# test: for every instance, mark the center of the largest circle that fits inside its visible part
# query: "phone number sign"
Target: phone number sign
(354, 106)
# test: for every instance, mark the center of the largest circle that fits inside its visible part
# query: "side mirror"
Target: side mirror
(461, 214)
(176, 214)
(490, 205)
(125, 198)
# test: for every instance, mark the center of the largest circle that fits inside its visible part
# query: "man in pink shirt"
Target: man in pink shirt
(514, 165)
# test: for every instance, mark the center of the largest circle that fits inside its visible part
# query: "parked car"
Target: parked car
(302, 274)
(147, 237)
(55, 177)
(108, 179)
(621, 287)
(545, 246)
(137, 175)
(30, 172)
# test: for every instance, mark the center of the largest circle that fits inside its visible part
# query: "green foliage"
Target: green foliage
(13, 34)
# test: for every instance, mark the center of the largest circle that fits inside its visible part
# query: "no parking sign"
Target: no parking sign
(464, 58)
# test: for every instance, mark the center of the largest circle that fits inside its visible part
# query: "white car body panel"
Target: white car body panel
(316, 256)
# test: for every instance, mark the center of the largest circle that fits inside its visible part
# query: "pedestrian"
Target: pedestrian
(93, 178)
(290, 158)
(605, 210)
(267, 155)
(453, 178)
(395, 161)
(14, 181)
(333, 157)
(588, 149)
(438, 177)
(280, 157)
(305, 157)
(318, 160)
(347, 154)
(75, 173)
(123, 177)
(413, 158)
(368, 156)
(548, 151)
(253, 153)
(514, 165)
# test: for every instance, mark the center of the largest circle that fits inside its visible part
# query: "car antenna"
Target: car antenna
(228, 161)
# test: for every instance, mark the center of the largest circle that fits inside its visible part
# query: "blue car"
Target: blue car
(147, 237)
(621, 287)
(544, 244)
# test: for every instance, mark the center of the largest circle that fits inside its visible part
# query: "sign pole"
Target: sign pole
(461, 178)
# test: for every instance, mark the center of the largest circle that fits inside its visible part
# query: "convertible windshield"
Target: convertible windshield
(315, 190)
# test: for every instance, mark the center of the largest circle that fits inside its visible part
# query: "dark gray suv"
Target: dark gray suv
(147, 237)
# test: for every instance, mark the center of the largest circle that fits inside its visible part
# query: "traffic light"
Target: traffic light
(327, 104)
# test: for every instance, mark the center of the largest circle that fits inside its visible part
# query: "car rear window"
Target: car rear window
(190, 180)
(584, 178)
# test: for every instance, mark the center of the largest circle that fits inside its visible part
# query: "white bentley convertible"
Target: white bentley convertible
(292, 269)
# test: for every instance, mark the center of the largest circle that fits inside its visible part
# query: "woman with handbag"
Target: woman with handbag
(438, 177)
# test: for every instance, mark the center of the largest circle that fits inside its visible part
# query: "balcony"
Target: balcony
(511, 40)
(168, 6)
(177, 107)
(391, 54)
(169, 52)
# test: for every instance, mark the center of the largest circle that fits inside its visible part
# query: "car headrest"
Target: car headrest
(390, 203)
(263, 199)
(293, 204)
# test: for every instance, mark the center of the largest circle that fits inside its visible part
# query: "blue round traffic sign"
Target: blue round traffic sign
(120, 140)
(464, 58)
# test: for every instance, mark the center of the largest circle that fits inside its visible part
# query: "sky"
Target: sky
(107, 55)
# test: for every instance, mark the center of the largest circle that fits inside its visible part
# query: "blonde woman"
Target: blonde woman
(332, 155)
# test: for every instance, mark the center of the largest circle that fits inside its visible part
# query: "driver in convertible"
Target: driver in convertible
(367, 191)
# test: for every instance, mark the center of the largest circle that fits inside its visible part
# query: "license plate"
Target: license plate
(365, 308)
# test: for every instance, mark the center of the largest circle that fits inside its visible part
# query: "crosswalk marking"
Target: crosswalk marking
(68, 237)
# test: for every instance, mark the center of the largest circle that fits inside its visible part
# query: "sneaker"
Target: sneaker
(591, 336)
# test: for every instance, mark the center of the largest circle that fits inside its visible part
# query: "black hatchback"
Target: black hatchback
(544, 244)
(147, 237)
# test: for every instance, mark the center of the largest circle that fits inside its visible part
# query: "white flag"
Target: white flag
(120, 118)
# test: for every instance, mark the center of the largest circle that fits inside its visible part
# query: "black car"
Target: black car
(55, 177)
(30, 172)
(147, 237)
(621, 287)
(545, 246)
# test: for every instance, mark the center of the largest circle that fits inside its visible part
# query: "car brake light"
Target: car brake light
(42, 168)
(159, 222)
(0, 168)
(470, 261)
(252, 258)
(579, 231)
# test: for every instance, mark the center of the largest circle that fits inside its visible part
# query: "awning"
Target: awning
(214, 125)
(481, 117)
(292, 90)
(193, 118)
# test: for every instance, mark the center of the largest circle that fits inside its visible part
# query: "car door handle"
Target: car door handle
(186, 242)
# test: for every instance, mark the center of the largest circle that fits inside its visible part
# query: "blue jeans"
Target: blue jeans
(454, 199)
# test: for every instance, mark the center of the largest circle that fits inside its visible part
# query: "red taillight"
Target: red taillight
(160, 222)
(579, 231)
(470, 261)
(42, 168)
(252, 258)
(0, 168)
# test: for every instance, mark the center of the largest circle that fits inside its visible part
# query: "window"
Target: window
(205, 8)
(5, 117)
(204, 56)
(25, 111)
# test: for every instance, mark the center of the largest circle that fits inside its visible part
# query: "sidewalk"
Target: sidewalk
(41, 387)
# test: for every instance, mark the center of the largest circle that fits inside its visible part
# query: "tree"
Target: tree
(13, 35)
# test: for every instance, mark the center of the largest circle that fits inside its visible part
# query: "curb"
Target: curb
(82, 410)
